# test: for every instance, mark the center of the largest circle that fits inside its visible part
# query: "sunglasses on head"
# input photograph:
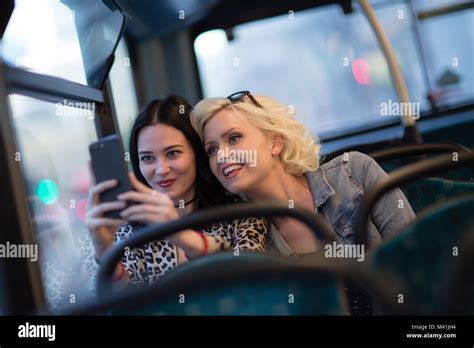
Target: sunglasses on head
(238, 96)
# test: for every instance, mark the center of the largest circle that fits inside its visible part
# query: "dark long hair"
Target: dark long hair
(174, 111)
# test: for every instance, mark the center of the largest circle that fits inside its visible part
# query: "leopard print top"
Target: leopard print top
(146, 264)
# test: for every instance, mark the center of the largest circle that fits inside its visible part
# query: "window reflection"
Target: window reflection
(53, 141)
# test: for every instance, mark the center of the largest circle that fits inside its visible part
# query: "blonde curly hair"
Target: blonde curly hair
(300, 152)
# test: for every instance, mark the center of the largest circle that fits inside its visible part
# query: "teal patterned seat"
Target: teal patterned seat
(248, 284)
(458, 295)
(422, 257)
(461, 174)
(425, 191)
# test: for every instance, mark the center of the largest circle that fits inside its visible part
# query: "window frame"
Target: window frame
(22, 273)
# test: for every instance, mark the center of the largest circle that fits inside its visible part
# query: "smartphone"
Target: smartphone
(107, 157)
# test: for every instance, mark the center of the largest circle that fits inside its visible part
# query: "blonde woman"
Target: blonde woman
(257, 148)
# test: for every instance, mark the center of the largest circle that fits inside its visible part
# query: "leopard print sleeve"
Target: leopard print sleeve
(146, 264)
(249, 234)
(133, 259)
(219, 234)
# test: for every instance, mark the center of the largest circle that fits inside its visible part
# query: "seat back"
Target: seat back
(422, 257)
(223, 283)
(248, 284)
(458, 293)
(392, 158)
(425, 191)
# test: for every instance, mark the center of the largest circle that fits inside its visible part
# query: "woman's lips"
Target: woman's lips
(231, 170)
(166, 183)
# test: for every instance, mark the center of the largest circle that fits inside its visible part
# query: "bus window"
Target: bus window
(37, 34)
(449, 61)
(123, 91)
(71, 40)
(52, 138)
(324, 62)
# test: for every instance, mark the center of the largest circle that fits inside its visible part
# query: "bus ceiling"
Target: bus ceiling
(151, 18)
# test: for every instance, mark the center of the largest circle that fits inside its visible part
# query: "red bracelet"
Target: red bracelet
(206, 243)
(120, 273)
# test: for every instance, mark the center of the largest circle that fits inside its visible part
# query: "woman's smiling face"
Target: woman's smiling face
(240, 154)
(167, 161)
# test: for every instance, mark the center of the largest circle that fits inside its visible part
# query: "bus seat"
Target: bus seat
(423, 255)
(457, 174)
(392, 158)
(211, 285)
(425, 191)
(247, 284)
(458, 293)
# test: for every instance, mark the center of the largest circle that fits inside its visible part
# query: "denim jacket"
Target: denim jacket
(338, 187)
